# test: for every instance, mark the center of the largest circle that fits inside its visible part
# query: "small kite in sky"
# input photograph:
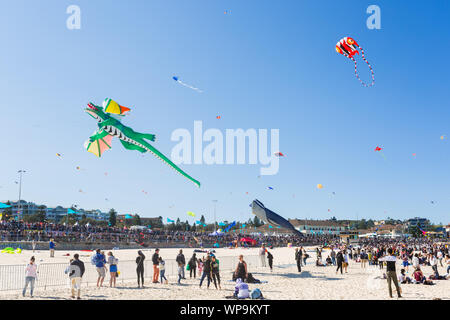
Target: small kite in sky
(279, 154)
(319, 186)
(218, 117)
(59, 155)
(348, 47)
(443, 137)
(432, 202)
(190, 213)
(78, 168)
(380, 150)
(186, 85)
(414, 154)
(270, 188)
(246, 193)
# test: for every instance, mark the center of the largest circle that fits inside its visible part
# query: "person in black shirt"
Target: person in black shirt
(181, 263)
(339, 261)
(298, 257)
(270, 259)
(390, 272)
(207, 270)
(192, 265)
(155, 260)
(140, 268)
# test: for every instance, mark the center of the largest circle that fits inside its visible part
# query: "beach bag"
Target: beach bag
(94, 260)
(188, 267)
(256, 294)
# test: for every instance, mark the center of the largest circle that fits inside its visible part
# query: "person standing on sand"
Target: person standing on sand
(298, 258)
(162, 270)
(207, 271)
(215, 271)
(100, 262)
(76, 272)
(140, 268)
(112, 261)
(192, 266)
(30, 276)
(51, 246)
(390, 271)
(181, 263)
(262, 255)
(339, 261)
(270, 259)
(333, 256)
(155, 260)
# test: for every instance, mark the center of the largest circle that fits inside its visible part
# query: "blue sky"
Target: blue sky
(265, 64)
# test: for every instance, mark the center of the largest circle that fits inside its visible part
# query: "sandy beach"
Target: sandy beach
(284, 283)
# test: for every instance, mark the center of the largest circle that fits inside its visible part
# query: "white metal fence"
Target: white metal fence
(52, 275)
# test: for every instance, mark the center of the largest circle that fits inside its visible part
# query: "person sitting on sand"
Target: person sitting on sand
(329, 261)
(241, 289)
(241, 269)
(402, 278)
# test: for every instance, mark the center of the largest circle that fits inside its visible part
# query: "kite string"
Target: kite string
(370, 67)
(188, 86)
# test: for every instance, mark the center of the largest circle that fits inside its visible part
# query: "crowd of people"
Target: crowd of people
(61, 233)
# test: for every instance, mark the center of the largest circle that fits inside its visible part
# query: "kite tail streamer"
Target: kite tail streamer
(370, 67)
(190, 87)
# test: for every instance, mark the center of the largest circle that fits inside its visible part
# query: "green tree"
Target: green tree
(112, 218)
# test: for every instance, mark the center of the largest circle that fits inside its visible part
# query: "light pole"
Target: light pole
(215, 221)
(19, 213)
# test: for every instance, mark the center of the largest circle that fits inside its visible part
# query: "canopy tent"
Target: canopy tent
(216, 233)
(249, 240)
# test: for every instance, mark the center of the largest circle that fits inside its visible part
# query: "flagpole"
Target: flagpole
(19, 213)
(215, 221)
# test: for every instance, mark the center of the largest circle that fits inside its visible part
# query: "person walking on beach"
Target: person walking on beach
(181, 263)
(100, 262)
(155, 260)
(364, 257)
(333, 256)
(33, 245)
(215, 271)
(51, 246)
(140, 268)
(270, 259)
(76, 272)
(192, 266)
(162, 270)
(112, 261)
(390, 272)
(30, 276)
(339, 261)
(262, 255)
(206, 271)
(345, 263)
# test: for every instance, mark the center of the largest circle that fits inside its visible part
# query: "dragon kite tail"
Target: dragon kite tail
(356, 69)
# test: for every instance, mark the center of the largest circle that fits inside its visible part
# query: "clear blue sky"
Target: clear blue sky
(265, 64)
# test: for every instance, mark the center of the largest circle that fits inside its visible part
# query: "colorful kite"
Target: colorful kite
(319, 186)
(443, 137)
(190, 213)
(279, 154)
(218, 117)
(109, 127)
(348, 47)
(59, 155)
(270, 188)
(186, 85)
(170, 221)
(380, 150)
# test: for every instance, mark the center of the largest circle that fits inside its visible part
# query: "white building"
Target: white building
(317, 227)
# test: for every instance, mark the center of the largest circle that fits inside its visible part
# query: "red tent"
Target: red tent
(252, 241)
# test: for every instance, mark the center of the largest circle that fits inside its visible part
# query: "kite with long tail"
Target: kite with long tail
(110, 127)
(348, 47)
(186, 85)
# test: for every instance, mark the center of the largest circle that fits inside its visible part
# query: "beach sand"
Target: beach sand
(283, 283)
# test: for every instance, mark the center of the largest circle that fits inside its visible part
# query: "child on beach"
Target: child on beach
(162, 270)
(403, 278)
(30, 276)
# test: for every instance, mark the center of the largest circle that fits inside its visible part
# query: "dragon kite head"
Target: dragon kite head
(96, 112)
(347, 47)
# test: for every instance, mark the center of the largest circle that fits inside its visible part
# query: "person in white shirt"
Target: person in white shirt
(415, 261)
(30, 276)
(433, 264)
(439, 255)
(262, 255)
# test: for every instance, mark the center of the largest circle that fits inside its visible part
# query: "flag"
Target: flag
(170, 221)
(127, 216)
(70, 211)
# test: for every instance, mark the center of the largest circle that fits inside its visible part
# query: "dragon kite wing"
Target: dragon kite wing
(110, 106)
(99, 143)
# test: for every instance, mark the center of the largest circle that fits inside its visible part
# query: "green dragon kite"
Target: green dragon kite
(109, 127)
